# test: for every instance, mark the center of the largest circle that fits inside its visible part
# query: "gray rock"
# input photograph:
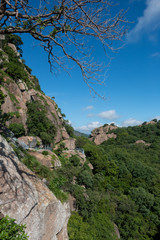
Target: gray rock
(26, 198)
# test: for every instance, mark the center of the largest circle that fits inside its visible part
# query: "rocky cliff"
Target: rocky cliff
(20, 88)
(101, 134)
(26, 198)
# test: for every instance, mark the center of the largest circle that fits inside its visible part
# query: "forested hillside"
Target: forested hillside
(124, 187)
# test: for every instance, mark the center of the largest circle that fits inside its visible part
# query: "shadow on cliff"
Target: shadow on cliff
(6, 178)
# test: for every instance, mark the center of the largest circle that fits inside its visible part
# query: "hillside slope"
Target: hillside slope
(22, 92)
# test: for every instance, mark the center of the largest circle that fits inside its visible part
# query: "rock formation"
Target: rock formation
(51, 160)
(19, 91)
(26, 198)
(142, 142)
(101, 134)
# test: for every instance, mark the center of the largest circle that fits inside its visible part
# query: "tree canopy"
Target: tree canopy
(63, 28)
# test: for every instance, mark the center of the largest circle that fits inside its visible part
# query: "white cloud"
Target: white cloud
(158, 118)
(90, 115)
(69, 122)
(88, 108)
(131, 122)
(148, 23)
(156, 54)
(89, 127)
(110, 115)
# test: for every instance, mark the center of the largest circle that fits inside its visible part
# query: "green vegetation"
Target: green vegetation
(9, 230)
(124, 186)
(3, 116)
(38, 123)
(98, 228)
(17, 129)
(69, 128)
(16, 71)
(45, 153)
(15, 68)
(60, 149)
(16, 40)
(12, 97)
(54, 179)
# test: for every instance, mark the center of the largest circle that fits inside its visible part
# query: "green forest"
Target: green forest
(124, 187)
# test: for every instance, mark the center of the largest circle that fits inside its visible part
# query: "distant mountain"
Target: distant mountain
(79, 134)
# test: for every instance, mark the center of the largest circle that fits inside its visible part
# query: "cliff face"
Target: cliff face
(101, 134)
(27, 199)
(19, 92)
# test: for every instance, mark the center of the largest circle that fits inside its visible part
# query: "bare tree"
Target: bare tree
(65, 29)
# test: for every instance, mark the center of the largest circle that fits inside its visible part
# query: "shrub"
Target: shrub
(69, 129)
(45, 153)
(46, 138)
(60, 149)
(17, 129)
(9, 230)
(38, 123)
(74, 159)
(16, 40)
(85, 178)
(16, 71)
(81, 141)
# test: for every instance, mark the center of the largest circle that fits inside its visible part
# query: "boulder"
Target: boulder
(70, 143)
(27, 199)
(65, 135)
(11, 45)
(101, 134)
(142, 142)
(50, 161)
(31, 141)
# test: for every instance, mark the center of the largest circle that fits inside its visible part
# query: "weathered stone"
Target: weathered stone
(70, 143)
(64, 134)
(11, 45)
(117, 231)
(72, 203)
(22, 86)
(26, 198)
(50, 161)
(142, 142)
(99, 135)
(90, 166)
(69, 153)
(31, 141)
(18, 95)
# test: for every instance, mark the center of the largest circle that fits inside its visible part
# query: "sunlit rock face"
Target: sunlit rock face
(27, 199)
(101, 134)
(19, 92)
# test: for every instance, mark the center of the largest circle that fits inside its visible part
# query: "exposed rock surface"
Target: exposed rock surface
(50, 161)
(69, 153)
(142, 142)
(117, 231)
(11, 45)
(70, 143)
(27, 199)
(18, 93)
(101, 134)
(31, 141)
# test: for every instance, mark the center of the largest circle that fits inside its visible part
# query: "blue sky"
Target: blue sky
(133, 78)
